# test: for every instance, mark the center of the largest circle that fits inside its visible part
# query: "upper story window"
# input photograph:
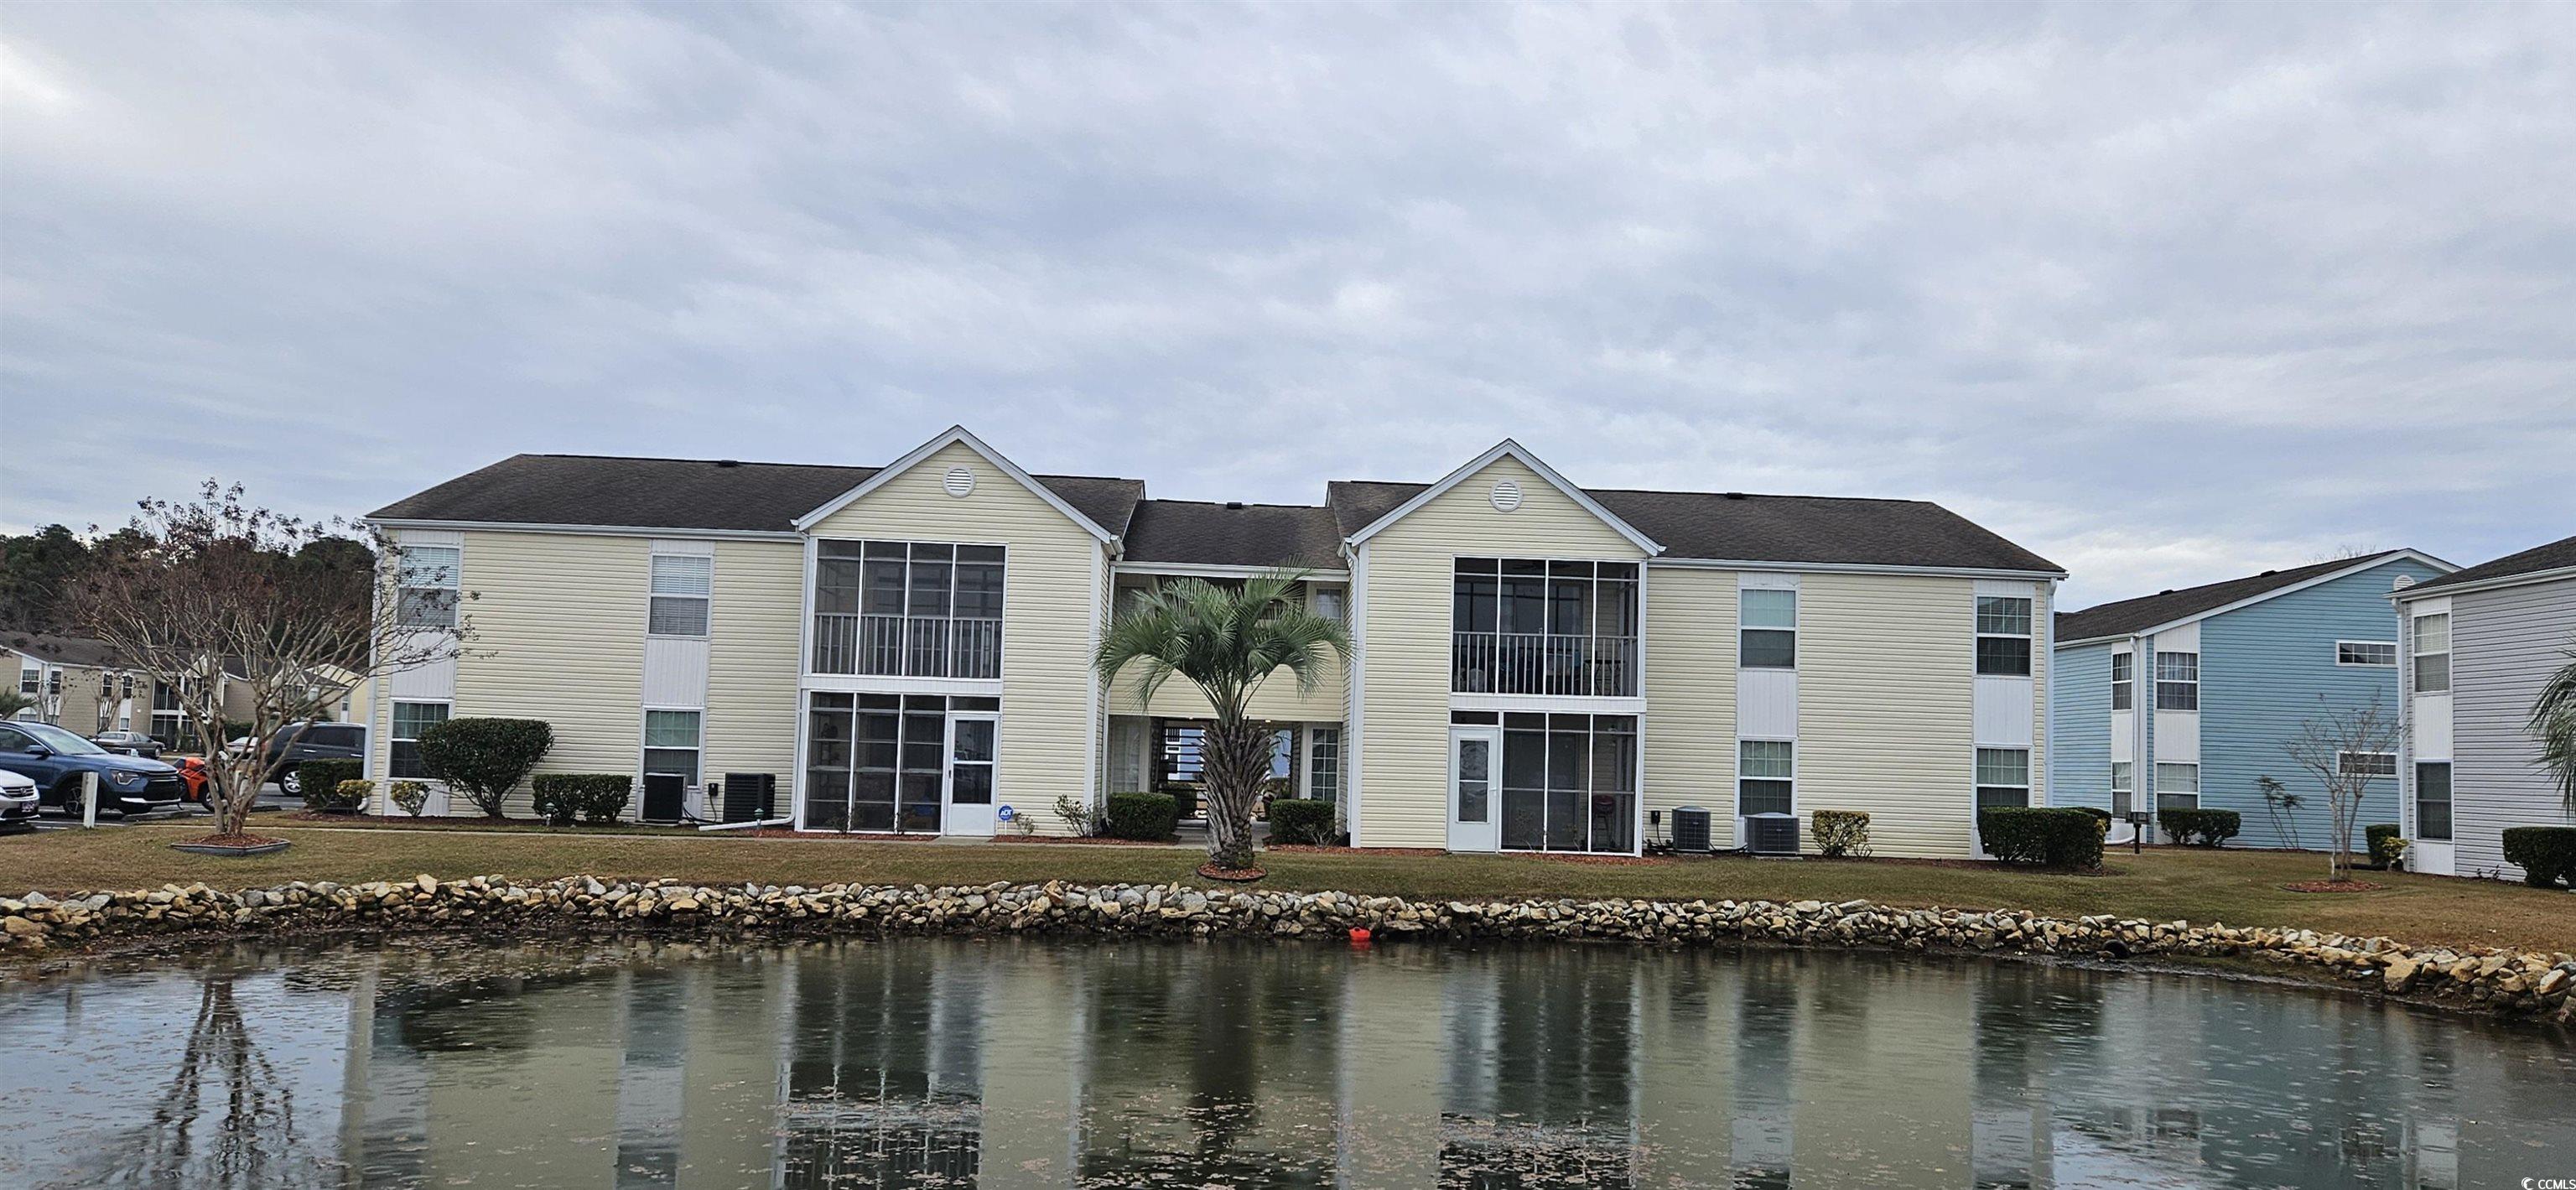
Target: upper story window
(2433, 653)
(2003, 636)
(30, 680)
(2177, 681)
(682, 587)
(908, 609)
(2374, 653)
(2124, 680)
(1531, 626)
(425, 585)
(2366, 764)
(1767, 629)
(1332, 603)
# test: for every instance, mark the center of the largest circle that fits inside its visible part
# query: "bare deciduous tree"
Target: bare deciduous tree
(190, 591)
(2343, 746)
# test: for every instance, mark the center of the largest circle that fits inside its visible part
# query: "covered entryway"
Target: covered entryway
(899, 763)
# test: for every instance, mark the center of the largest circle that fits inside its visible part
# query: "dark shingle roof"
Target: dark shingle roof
(1751, 528)
(2164, 607)
(1234, 534)
(686, 493)
(78, 651)
(2557, 555)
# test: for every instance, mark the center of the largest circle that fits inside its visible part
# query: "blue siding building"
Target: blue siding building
(2206, 685)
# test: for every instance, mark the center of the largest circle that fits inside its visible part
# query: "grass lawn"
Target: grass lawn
(2237, 887)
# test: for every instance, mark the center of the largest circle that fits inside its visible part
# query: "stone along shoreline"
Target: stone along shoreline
(2521, 984)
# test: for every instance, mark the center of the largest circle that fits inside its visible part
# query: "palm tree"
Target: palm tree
(2553, 721)
(1227, 640)
(13, 701)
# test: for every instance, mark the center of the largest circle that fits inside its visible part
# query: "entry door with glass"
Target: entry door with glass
(1475, 770)
(973, 742)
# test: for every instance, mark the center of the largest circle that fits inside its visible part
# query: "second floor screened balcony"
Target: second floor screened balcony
(907, 609)
(1530, 626)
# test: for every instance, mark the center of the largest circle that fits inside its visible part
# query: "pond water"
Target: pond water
(923, 1063)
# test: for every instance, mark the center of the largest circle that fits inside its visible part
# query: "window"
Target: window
(1332, 603)
(2003, 777)
(2124, 680)
(2433, 800)
(671, 743)
(1768, 623)
(2367, 764)
(1535, 626)
(2177, 787)
(30, 680)
(168, 721)
(2003, 636)
(1324, 763)
(54, 683)
(908, 609)
(2123, 791)
(1766, 777)
(425, 585)
(410, 720)
(2433, 653)
(682, 585)
(2177, 681)
(2377, 653)
(125, 685)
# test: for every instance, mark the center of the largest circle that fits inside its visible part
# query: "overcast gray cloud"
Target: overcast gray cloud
(2166, 293)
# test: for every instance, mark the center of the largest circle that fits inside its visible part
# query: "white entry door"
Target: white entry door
(1475, 796)
(973, 743)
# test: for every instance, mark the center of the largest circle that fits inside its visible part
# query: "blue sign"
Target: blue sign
(1006, 813)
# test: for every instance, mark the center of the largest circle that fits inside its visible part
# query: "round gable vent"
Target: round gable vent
(959, 482)
(1507, 495)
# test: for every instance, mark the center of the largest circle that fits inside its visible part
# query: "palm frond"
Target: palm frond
(2553, 723)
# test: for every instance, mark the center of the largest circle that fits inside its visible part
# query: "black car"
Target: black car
(296, 743)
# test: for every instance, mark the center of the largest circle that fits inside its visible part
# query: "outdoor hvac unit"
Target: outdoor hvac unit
(1690, 829)
(666, 797)
(748, 796)
(1769, 834)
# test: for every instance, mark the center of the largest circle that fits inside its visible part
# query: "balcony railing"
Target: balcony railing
(907, 646)
(1542, 663)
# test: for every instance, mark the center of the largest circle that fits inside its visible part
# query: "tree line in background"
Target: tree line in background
(39, 570)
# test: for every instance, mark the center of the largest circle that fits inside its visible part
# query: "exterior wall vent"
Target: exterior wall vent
(2403, 581)
(959, 482)
(1507, 495)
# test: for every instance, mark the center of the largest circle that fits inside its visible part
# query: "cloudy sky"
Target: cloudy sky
(2167, 294)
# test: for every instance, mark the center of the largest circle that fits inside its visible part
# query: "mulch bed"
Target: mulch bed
(1231, 875)
(2333, 886)
(233, 840)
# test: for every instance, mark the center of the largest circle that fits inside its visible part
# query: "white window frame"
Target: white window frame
(1316, 750)
(1338, 598)
(2450, 808)
(2124, 784)
(2415, 640)
(2390, 645)
(1741, 778)
(31, 680)
(2162, 792)
(393, 719)
(2029, 614)
(655, 596)
(2124, 683)
(409, 569)
(646, 747)
(2343, 764)
(1979, 784)
(2193, 681)
(1744, 598)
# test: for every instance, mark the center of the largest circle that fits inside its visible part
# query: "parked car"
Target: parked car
(55, 759)
(18, 803)
(193, 776)
(296, 743)
(131, 743)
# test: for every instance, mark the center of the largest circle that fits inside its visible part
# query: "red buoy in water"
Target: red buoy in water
(1359, 936)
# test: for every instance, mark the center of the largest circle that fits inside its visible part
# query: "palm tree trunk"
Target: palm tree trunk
(1236, 757)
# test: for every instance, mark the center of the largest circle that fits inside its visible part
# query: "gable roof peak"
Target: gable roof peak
(1522, 455)
(956, 435)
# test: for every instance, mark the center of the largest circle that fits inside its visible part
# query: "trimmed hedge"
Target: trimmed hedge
(1296, 822)
(595, 797)
(1153, 817)
(2546, 854)
(485, 758)
(2101, 818)
(2370, 840)
(2049, 836)
(2201, 828)
(319, 781)
(1840, 832)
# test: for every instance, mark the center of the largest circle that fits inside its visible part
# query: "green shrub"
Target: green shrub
(2546, 854)
(2372, 837)
(1298, 823)
(2101, 818)
(2049, 836)
(594, 797)
(349, 796)
(2201, 828)
(485, 758)
(412, 796)
(319, 781)
(2386, 850)
(1840, 832)
(1150, 816)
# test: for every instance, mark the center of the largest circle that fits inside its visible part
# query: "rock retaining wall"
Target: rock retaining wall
(2525, 984)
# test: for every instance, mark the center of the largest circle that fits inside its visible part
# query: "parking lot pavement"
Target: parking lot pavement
(271, 798)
